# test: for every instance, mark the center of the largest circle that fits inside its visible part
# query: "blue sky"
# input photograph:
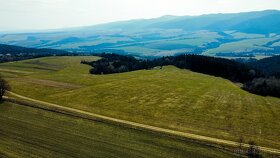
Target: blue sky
(50, 14)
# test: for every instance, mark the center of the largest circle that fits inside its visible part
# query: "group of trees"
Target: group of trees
(269, 81)
(264, 86)
(220, 67)
(254, 80)
(252, 151)
(113, 63)
(267, 66)
(3, 88)
(232, 70)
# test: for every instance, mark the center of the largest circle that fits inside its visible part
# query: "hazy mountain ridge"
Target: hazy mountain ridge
(212, 22)
(241, 34)
(16, 53)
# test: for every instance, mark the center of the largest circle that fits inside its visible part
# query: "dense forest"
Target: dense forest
(268, 66)
(229, 69)
(264, 86)
(253, 79)
(269, 83)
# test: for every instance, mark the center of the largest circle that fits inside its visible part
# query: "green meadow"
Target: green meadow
(241, 46)
(171, 98)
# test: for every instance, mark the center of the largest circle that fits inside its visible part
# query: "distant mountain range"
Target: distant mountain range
(17, 50)
(263, 22)
(251, 34)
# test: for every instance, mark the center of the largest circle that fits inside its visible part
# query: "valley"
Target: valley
(239, 35)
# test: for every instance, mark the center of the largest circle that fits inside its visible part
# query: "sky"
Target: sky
(19, 15)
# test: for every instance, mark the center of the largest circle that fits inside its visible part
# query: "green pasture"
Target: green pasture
(170, 98)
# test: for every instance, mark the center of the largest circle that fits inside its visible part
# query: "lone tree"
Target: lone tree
(3, 88)
(253, 151)
(240, 147)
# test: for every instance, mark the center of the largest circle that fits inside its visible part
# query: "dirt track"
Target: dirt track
(91, 116)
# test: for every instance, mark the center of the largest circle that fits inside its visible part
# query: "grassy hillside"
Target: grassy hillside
(169, 97)
(29, 132)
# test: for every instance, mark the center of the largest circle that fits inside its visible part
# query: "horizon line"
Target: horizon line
(59, 29)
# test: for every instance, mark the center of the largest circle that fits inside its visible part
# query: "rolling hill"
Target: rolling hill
(239, 34)
(191, 102)
(251, 22)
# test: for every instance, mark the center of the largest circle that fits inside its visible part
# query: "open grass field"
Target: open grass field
(243, 46)
(30, 132)
(276, 44)
(170, 98)
(245, 35)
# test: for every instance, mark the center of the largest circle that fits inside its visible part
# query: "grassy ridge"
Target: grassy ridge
(29, 132)
(170, 98)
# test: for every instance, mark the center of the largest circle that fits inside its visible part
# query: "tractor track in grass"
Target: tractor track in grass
(26, 101)
(15, 71)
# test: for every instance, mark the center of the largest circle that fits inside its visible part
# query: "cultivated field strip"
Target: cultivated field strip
(96, 117)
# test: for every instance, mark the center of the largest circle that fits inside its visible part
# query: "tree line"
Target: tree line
(3, 88)
(15, 53)
(253, 79)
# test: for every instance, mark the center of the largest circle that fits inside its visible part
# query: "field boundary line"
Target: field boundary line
(15, 71)
(26, 101)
